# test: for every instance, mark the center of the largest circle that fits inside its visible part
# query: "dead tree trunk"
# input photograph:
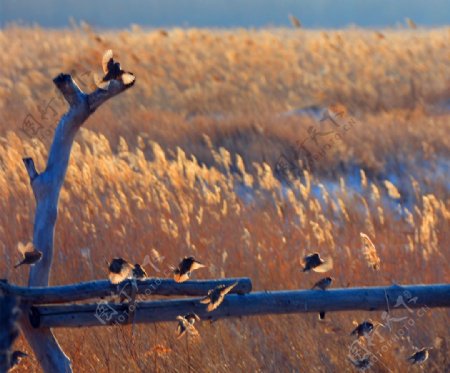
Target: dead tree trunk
(8, 330)
(46, 188)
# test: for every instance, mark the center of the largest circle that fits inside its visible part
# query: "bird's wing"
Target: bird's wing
(128, 78)
(27, 248)
(100, 83)
(205, 300)
(213, 306)
(366, 241)
(107, 56)
(325, 267)
(228, 289)
(181, 331)
(196, 265)
(21, 248)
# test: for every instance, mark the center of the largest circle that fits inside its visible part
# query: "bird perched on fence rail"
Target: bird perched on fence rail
(420, 356)
(186, 325)
(139, 272)
(215, 296)
(30, 254)
(323, 283)
(316, 263)
(182, 273)
(119, 270)
(112, 70)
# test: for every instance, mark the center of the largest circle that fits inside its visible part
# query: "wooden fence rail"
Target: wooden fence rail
(257, 303)
(104, 288)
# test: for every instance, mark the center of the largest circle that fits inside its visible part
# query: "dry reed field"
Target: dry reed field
(186, 163)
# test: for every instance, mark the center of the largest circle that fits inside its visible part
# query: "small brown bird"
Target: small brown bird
(362, 329)
(184, 269)
(420, 356)
(323, 284)
(119, 270)
(186, 324)
(361, 363)
(215, 296)
(139, 272)
(112, 70)
(295, 22)
(16, 357)
(316, 263)
(29, 253)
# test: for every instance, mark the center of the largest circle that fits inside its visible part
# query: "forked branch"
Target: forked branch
(46, 188)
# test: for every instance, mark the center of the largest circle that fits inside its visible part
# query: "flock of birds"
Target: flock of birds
(121, 270)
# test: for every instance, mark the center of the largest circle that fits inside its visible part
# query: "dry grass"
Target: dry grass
(183, 163)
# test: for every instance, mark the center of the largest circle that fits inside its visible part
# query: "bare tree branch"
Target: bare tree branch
(46, 188)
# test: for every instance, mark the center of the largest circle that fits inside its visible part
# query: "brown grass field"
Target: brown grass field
(185, 163)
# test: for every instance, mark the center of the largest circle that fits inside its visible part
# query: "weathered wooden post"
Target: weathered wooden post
(9, 331)
(46, 188)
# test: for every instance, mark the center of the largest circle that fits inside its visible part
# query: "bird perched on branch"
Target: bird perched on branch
(112, 70)
(30, 254)
(362, 329)
(186, 325)
(316, 263)
(119, 270)
(323, 284)
(16, 357)
(215, 296)
(184, 269)
(139, 272)
(420, 356)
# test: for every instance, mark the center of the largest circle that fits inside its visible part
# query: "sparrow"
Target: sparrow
(184, 269)
(316, 263)
(362, 329)
(361, 363)
(29, 253)
(323, 284)
(119, 270)
(16, 356)
(186, 324)
(215, 296)
(112, 70)
(420, 356)
(139, 272)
